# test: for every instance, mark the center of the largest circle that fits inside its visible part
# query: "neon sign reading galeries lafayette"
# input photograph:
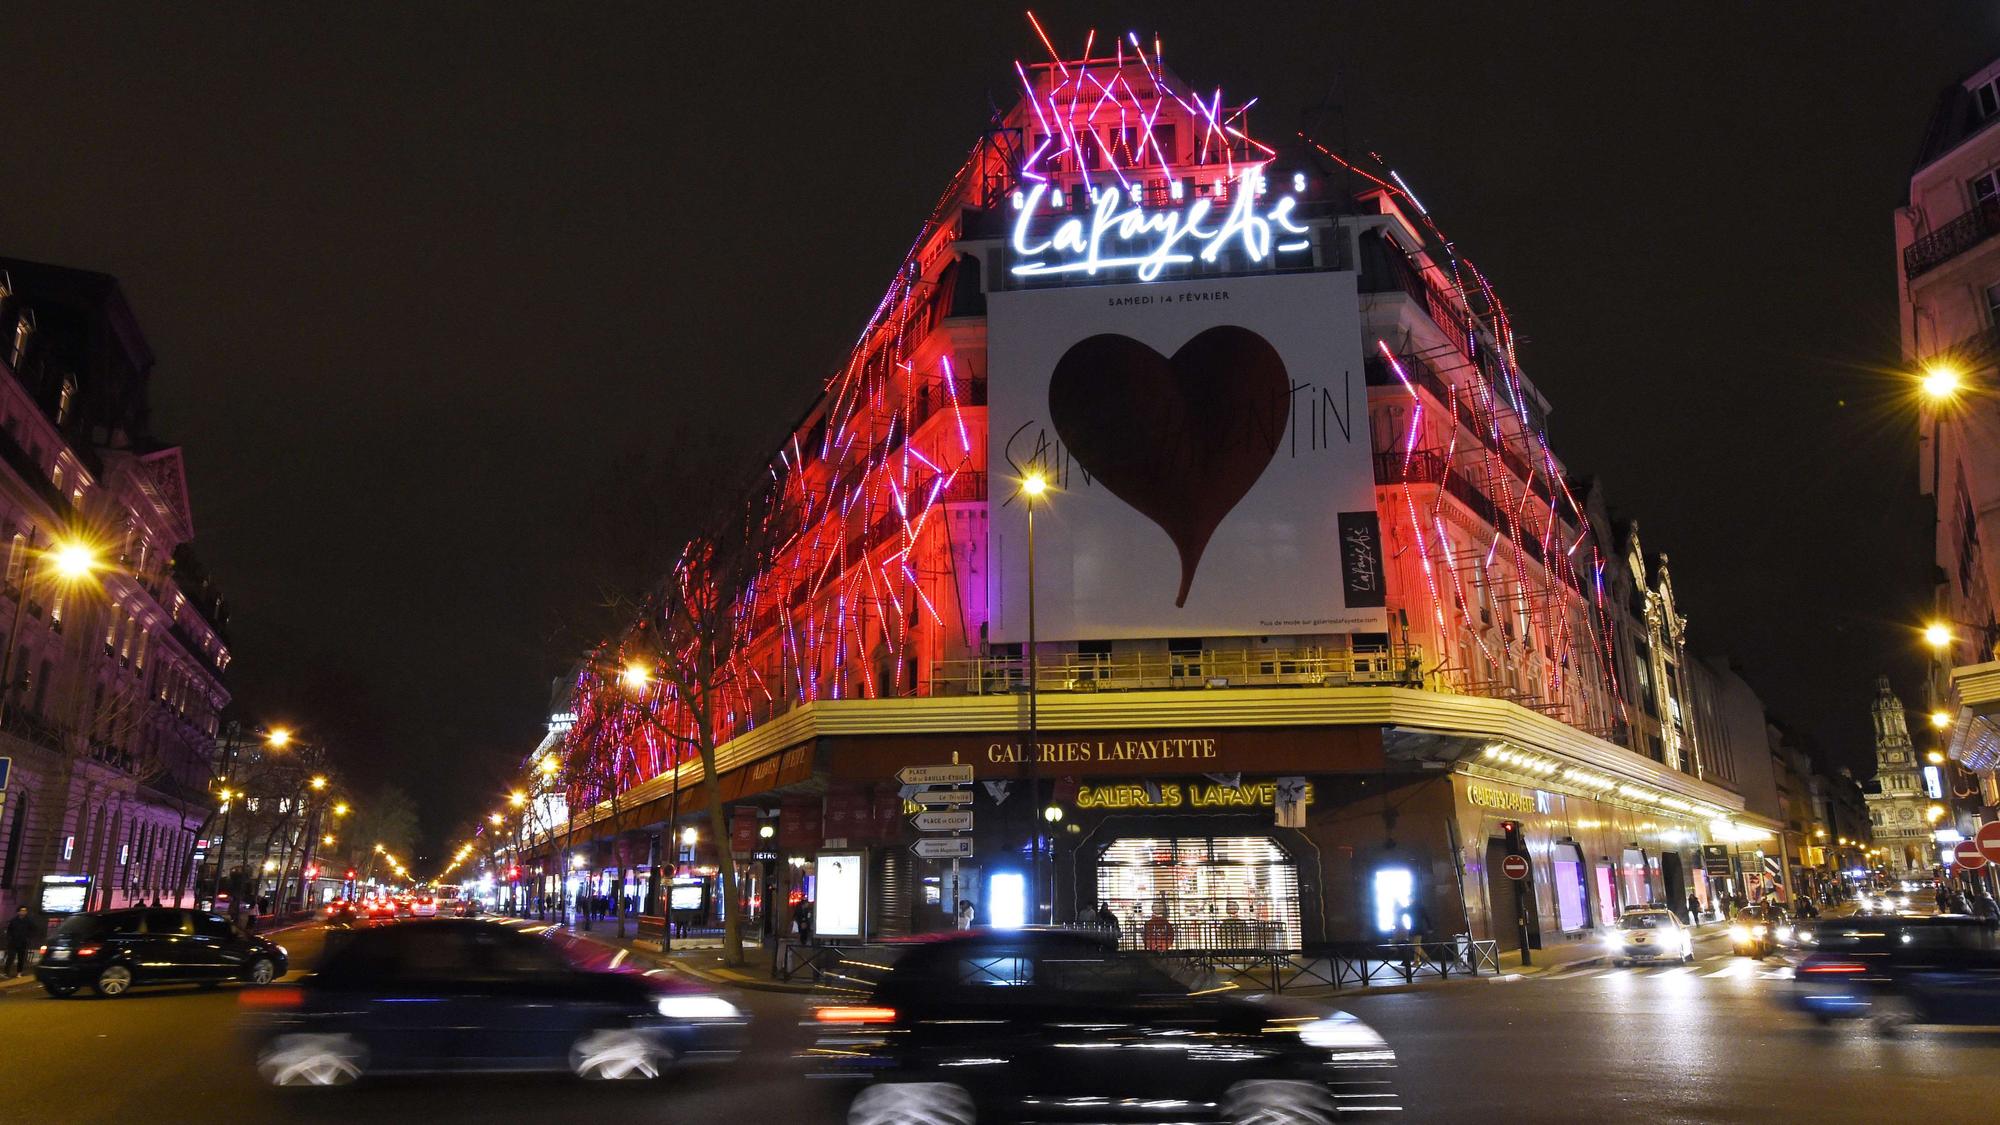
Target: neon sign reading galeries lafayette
(1147, 242)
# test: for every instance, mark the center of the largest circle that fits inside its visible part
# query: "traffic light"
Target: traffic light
(513, 874)
(351, 873)
(312, 872)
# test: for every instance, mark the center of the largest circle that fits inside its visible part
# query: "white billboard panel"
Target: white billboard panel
(1208, 443)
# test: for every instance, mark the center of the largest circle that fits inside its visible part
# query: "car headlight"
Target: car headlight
(1759, 931)
(697, 1007)
(1805, 936)
(1738, 934)
(1784, 933)
(1341, 1032)
(285, 953)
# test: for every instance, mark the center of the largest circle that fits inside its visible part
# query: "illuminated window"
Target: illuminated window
(1986, 187)
(63, 401)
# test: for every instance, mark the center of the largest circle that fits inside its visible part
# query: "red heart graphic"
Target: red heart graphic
(1181, 440)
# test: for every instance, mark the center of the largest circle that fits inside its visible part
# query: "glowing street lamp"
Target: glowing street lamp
(319, 783)
(495, 819)
(517, 798)
(634, 676)
(1940, 719)
(1940, 382)
(279, 738)
(1937, 634)
(327, 840)
(74, 561)
(548, 765)
(1935, 757)
(340, 808)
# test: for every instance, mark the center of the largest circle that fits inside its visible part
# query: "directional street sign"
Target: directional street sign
(943, 847)
(946, 820)
(935, 775)
(942, 797)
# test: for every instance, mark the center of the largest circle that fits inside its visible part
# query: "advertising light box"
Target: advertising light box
(1208, 444)
(65, 894)
(837, 906)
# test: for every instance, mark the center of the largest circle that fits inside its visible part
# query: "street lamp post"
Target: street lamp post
(1032, 488)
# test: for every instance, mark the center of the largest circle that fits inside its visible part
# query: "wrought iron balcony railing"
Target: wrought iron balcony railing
(1952, 239)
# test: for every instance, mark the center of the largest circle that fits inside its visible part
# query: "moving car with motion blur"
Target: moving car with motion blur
(1013, 1025)
(1757, 931)
(1649, 933)
(381, 907)
(439, 995)
(423, 905)
(1897, 971)
(340, 911)
(114, 951)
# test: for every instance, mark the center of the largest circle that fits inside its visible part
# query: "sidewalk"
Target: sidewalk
(700, 958)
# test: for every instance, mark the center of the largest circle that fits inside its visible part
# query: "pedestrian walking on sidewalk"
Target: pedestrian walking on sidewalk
(20, 934)
(1694, 909)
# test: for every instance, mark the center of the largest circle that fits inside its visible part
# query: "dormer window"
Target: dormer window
(24, 329)
(64, 399)
(1987, 98)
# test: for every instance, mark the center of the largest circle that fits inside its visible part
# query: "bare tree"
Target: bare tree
(678, 680)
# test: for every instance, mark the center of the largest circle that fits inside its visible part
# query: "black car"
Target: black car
(115, 950)
(1033, 1024)
(1894, 971)
(444, 995)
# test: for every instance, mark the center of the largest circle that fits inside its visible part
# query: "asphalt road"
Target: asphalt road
(1704, 1043)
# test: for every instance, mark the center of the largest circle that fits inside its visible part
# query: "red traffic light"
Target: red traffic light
(513, 873)
(312, 872)
(350, 873)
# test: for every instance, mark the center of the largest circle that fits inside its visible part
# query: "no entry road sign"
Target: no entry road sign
(1514, 867)
(1988, 839)
(1968, 856)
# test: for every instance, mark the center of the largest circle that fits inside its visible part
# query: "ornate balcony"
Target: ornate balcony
(1952, 239)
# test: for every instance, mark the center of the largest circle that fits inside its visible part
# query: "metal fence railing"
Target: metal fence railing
(1338, 965)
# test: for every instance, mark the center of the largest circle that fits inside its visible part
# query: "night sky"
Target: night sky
(436, 289)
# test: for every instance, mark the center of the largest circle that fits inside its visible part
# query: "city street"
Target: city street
(1589, 1044)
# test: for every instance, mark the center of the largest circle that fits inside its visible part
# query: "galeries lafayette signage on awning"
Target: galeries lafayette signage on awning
(1133, 753)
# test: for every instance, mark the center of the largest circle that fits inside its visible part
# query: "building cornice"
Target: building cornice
(1474, 719)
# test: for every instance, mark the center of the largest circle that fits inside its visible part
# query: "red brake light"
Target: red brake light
(855, 1015)
(87, 950)
(271, 998)
(1836, 967)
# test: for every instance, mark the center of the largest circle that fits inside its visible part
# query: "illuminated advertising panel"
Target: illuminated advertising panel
(837, 900)
(1208, 452)
(65, 894)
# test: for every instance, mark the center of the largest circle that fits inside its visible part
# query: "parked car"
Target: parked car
(1032, 1024)
(1649, 933)
(1894, 971)
(113, 951)
(492, 998)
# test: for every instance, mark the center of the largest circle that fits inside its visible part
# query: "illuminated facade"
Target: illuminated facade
(1949, 282)
(118, 676)
(1495, 668)
(1897, 802)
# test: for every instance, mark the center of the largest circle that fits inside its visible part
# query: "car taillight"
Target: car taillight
(1835, 967)
(87, 950)
(271, 998)
(855, 1015)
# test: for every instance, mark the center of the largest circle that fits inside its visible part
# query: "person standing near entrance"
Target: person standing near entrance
(1694, 910)
(20, 934)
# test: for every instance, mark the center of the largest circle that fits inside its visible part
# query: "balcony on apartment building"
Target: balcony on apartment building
(1952, 239)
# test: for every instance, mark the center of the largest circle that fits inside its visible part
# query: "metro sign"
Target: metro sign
(1147, 242)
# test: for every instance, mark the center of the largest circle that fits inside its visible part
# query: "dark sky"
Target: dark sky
(419, 275)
